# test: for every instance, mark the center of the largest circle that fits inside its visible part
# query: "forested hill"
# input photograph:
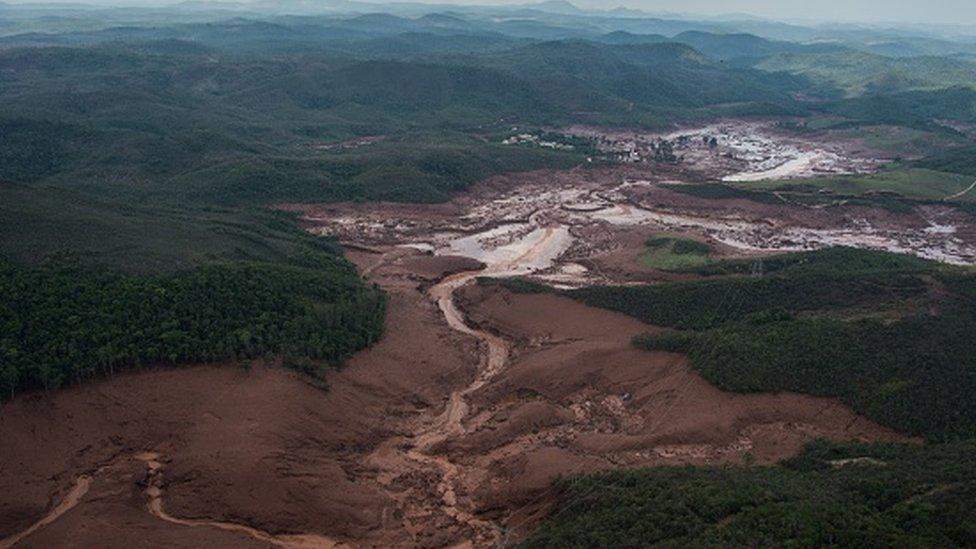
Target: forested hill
(843, 495)
(650, 75)
(887, 334)
(64, 324)
(279, 292)
(218, 128)
(249, 109)
(92, 286)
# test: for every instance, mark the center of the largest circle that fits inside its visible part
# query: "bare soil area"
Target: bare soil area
(419, 441)
(603, 216)
(448, 431)
(576, 388)
(738, 150)
(260, 449)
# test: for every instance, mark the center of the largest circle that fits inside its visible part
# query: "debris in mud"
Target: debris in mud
(539, 225)
(733, 151)
(861, 461)
(351, 144)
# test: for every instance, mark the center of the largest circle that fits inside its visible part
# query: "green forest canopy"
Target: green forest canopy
(837, 495)
(89, 288)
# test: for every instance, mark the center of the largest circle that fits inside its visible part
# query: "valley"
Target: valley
(476, 396)
(344, 274)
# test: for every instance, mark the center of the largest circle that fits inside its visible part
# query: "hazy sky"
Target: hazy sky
(955, 12)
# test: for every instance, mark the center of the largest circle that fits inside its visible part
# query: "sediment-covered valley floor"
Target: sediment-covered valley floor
(448, 431)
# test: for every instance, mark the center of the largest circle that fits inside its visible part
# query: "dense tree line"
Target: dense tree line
(703, 304)
(917, 375)
(959, 160)
(65, 323)
(832, 495)
(837, 260)
(719, 191)
(915, 372)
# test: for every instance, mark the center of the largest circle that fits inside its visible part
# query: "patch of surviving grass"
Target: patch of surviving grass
(913, 183)
(669, 253)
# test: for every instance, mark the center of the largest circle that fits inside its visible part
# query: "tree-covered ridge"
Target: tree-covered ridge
(217, 113)
(65, 322)
(837, 260)
(858, 72)
(961, 160)
(829, 280)
(40, 223)
(705, 304)
(405, 168)
(916, 375)
(837, 495)
(913, 370)
(232, 131)
(208, 127)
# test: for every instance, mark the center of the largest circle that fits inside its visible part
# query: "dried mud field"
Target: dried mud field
(448, 431)
(582, 217)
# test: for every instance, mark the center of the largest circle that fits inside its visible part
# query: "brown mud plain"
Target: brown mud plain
(448, 431)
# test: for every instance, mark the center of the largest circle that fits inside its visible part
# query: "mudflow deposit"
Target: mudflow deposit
(448, 431)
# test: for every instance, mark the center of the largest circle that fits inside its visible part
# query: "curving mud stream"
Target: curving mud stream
(537, 249)
(154, 495)
(74, 496)
(154, 505)
(532, 244)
